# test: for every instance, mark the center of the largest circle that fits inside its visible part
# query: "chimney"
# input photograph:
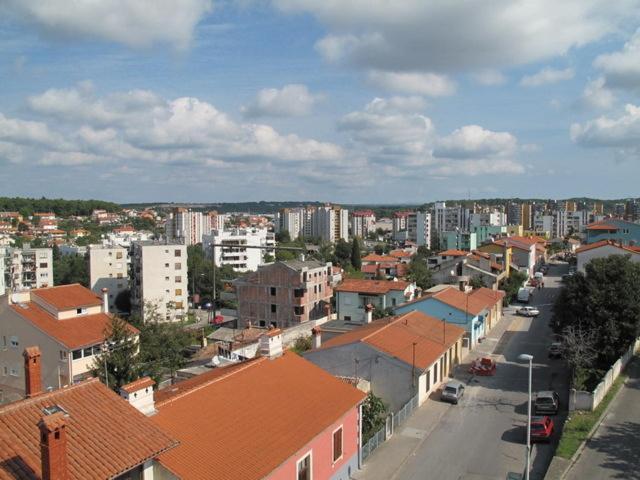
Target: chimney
(53, 446)
(32, 371)
(317, 337)
(368, 308)
(139, 394)
(105, 300)
(270, 344)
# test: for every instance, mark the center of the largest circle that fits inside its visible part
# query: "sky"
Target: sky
(354, 101)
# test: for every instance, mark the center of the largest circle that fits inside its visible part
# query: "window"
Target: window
(337, 445)
(87, 352)
(166, 278)
(178, 266)
(81, 311)
(4, 340)
(178, 279)
(77, 354)
(118, 255)
(304, 277)
(177, 253)
(393, 302)
(273, 308)
(347, 318)
(44, 265)
(178, 305)
(166, 265)
(13, 372)
(315, 289)
(298, 293)
(178, 292)
(14, 341)
(119, 275)
(298, 310)
(273, 291)
(5, 371)
(304, 467)
(63, 355)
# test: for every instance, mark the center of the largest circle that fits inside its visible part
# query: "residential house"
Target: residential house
(621, 231)
(284, 294)
(603, 249)
(476, 312)
(400, 357)
(67, 322)
(277, 416)
(353, 295)
(79, 432)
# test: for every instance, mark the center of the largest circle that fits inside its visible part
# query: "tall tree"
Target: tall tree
(117, 365)
(68, 269)
(419, 273)
(342, 252)
(356, 258)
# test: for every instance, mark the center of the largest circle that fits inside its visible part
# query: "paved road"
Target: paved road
(484, 436)
(614, 450)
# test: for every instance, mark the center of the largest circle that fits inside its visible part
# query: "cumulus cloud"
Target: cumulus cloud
(428, 84)
(622, 132)
(473, 141)
(442, 36)
(546, 76)
(597, 95)
(290, 101)
(140, 23)
(622, 69)
(396, 104)
(489, 78)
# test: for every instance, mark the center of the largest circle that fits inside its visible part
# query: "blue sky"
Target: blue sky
(342, 100)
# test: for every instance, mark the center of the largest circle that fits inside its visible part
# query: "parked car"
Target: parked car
(546, 402)
(541, 429)
(524, 295)
(528, 311)
(452, 392)
(555, 350)
(566, 276)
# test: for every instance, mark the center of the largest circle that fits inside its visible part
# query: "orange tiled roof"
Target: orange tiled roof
(76, 332)
(396, 335)
(489, 296)
(66, 297)
(372, 257)
(369, 268)
(373, 287)
(105, 435)
(452, 252)
(139, 384)
(601, 226)
(244, 423)
(457, 299)
(399, 254)
(603, 243)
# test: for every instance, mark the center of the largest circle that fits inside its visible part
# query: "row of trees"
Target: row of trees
(598, 314)
(63, 208)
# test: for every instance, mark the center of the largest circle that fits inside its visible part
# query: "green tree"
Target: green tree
(342, 253)
(381, 248)
(117, 365)
(68, 269)
(419, 273)
(268, 258)
(302, 344)
(374, 414)
(379, 313)
(423, 251)
(476, 281)
(356, 258)
(512, 284)
(283, 236)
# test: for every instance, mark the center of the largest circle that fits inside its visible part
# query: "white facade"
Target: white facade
(495, 218)
(188, 227)
(331, 223)
(108, 268)
(423, 229)
(544, 223)
(362, 223)
(569, 222)
(236, 254)
(586, 254)
(159, 277)
(28, 268)
(448, 219)
(125, 239)
(291, 220)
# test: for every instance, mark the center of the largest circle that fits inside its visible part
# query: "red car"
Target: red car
(541, 429)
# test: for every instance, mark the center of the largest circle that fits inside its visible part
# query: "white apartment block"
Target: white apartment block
(568, 222)
(448, 219)
(331, 223)
(308, 228)
(291, 220)
(412, 226)
(125, 238)
(544, 223)
(159, 278)
(108, 268)
(399, 226)
(29, 268)
(187, 226)
(495, 218)
(234, 251)
(422, 229)
(362, 223)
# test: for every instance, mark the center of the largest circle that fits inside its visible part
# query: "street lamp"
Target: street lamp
(525, 357)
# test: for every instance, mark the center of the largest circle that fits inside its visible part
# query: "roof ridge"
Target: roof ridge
(37, 398)
(250, 363)
(393, 321)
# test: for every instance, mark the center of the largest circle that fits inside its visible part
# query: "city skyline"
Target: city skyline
(230, 101)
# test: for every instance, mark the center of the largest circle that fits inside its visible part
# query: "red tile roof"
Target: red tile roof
(454, 253)
(603, 243)
(372, 257)
(489, 296)
(244, 423)
(457, 299)
(601, 226)
(66, 297)
(105, 435)
(373, 287)
(75, 332)
(139, 384)
(399, 253)
(369, 269)
(396, 336)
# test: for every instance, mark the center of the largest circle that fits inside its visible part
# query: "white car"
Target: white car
(528, 311)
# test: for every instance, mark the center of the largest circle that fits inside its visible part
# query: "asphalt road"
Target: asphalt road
(614, 450)
(483, 437)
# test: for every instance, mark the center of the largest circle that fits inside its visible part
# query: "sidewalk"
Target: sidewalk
(387, 460)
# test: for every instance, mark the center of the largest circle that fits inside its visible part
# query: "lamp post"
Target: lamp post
(525, 357)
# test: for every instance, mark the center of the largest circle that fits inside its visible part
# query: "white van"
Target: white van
(524, 295)
(539, 276)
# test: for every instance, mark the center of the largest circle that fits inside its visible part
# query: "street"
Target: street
(483, 437)
(612, 452)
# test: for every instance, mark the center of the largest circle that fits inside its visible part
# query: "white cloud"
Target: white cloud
(25, 132)
(291, 101)
(418, 83)
(622, 132)
(546, 76)
(489, 78)
(140, 23)
(446, 36)
(473, 141)
(622, 69)
(597, 95)
(396, 104)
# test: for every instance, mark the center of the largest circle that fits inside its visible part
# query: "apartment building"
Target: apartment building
(412, 226)
(108, 268)
(28, 267)
(67, 322)
(236, 250)
(331, 223)
(290, 220)
(285, 294)
(184, 226)
(159, 277)
(362, 223)
(448, 219)
(494, 218)
(568, 222)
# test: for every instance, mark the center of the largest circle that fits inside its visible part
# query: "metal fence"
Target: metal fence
(394, 420)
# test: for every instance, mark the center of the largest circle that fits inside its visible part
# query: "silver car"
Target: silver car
(452, 392)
